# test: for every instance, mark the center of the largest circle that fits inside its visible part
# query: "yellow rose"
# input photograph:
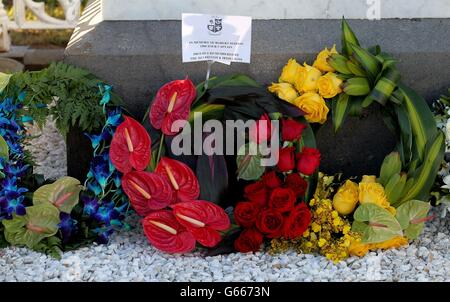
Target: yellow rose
(374, 193)
(307, 78)
(329, 85)
(284, 91)
(369, 179)
(346, 198)
(321, 60)
(314, 106)
(395, 242)
(290, 72)
(357, 248)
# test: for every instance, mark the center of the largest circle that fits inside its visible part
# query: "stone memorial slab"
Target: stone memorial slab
(137, 48)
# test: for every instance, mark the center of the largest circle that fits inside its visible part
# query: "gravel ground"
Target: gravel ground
(130, 258)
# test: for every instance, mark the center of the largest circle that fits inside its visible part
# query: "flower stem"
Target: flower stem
(158, 157)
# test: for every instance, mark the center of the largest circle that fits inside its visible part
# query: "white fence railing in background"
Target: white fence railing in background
(44, 21)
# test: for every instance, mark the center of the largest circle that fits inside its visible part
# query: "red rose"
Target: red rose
(297, 222)
(286, 161)
(270, 223)
(271, 180)
(249, 241)
(296, 183)
(262, 130)
(245, 214)
(291, 130)
(257, 193)
(308, 161)
(282, 200)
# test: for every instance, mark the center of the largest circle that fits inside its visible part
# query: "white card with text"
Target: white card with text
(218, 38)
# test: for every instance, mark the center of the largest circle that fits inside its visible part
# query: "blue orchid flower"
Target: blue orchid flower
(95, 139)
(21, 96)
(114, 118)
(103, 234)
(26, 119)
(90, 205)
(17, 170)
(13, 203)
(106, 213)
(9, 184)
(106, 90)
(94, 187)
(117, 179)
(67, 226)
(100, 169)
(8, 105)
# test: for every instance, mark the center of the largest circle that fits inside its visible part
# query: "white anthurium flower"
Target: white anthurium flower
(446, 181)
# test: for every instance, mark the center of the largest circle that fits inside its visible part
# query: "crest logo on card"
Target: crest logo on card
(215, 26)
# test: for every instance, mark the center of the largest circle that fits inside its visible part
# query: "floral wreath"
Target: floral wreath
(51, 217)
(388, 209)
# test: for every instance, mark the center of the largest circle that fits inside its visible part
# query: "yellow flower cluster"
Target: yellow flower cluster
(368, 190)
(329, 233)
(306, 86)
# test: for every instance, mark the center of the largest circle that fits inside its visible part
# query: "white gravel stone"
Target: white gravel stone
(129, 257)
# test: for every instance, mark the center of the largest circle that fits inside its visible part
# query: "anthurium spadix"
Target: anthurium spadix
(147, 191)
(203, 219)
(165, 233)
(130, 146)
(181, 178)
(172, 102)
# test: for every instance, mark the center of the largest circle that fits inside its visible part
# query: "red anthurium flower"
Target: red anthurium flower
(166, 234)
(147, 191)
(130, 146)
(172, 102)
(203, 219)
(181, 178)
(262, 130)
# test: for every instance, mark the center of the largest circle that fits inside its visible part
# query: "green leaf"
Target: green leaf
(50, 246)
(348, 37)
(425, 174)
(385, 86)
(368, 62)
(394, 188)
(249, 164)
(391, 165)
(41, 221)
(340, 108)
(375, 223)
(4, 149)
(412, 216)
(212, 176)
(4, 80)
(422, 120)
(63, 194)
(406, 135)
(230, 80)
